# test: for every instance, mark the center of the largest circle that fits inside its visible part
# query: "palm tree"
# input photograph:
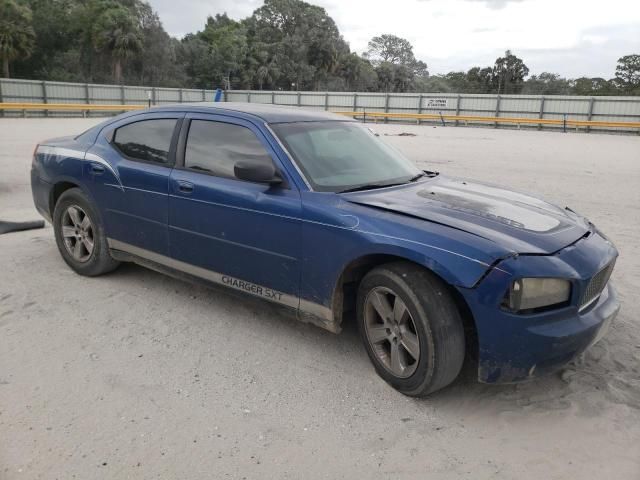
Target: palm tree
(117, 33)
(263, 75)
(17, 38)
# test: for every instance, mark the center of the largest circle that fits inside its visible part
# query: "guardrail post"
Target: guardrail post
(1, 99)
(154, 95)
(541, 114)
(355, 102)
(204, 95)
(419, 108)
(326, 100)
(497, 108)
(248, 97)
(45, 98)
(180, 93)
(273, 97)
(458, 107)
(87, 100)
(592, 100)
(122, 96)
(298, 98)
(386, 107)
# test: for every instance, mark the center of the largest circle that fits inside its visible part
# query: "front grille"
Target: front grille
(595, 286)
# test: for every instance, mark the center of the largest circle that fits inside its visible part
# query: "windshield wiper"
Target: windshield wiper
(198, 167)
(369, 186)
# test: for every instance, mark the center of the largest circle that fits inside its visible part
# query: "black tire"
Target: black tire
(98, 261)
(435, 320)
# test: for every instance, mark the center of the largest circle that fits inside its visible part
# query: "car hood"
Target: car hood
(516, 221)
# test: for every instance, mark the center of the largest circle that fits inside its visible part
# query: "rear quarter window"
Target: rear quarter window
(146, 140)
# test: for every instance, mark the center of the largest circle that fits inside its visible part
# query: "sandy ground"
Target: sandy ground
(137, 375)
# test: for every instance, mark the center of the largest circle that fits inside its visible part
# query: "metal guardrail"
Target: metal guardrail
(609, 109)
(83, 107)
(564, 122)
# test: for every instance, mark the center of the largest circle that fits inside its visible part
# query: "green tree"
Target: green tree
(260, 67)
(198, 61)
(457, 81)
(117, 33)
(480, 80)
(547, 84)
(357, 73)
(391, 49)
(594, 86)
(284, 44)
(155, 64)
(432, 84)
(227, 40)
(299, 41)
(395, 63)
(56, 53)
(17, 37)
(509, 73)
(628, 74)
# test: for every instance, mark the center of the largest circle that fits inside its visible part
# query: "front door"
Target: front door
(241, 234)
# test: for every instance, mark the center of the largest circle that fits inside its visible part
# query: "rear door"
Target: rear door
(242, 234)
(128, 169)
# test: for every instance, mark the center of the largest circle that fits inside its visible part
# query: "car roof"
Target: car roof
(267, 112)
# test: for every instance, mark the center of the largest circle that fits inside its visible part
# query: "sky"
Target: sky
(571, 37)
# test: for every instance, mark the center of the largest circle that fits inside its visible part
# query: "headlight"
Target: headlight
(532, 293)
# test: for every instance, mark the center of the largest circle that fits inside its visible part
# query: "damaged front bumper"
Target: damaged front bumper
(544, 347)
(514, 347)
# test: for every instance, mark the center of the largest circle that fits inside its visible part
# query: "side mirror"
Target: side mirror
(256, 172)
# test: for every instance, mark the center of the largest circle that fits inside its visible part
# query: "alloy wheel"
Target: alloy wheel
(391, 332)
(77, 233)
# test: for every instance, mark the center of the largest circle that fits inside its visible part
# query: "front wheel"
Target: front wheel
(411, 328)
(80, 235)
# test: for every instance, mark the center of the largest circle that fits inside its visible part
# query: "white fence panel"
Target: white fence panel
(620, 109)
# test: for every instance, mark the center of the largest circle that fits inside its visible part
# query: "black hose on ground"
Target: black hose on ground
(6, 227)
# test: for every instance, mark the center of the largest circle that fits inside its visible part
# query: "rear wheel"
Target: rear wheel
(411, 328)
(80, 236)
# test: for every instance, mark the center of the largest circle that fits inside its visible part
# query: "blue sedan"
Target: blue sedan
(314, 212)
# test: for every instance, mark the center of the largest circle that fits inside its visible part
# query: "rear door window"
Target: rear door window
(215, 147)
(146, 140)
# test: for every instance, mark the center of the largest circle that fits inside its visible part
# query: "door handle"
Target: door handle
(185, 187)
(97, 169)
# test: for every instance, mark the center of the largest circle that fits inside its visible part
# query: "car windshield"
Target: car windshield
(339, 156)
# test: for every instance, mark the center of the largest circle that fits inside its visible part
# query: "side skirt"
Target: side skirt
(305, 311)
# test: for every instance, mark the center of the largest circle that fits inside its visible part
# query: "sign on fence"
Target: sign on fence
(437, 103)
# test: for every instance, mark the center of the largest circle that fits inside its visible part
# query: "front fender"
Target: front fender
(454, 268)
(337, 233)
